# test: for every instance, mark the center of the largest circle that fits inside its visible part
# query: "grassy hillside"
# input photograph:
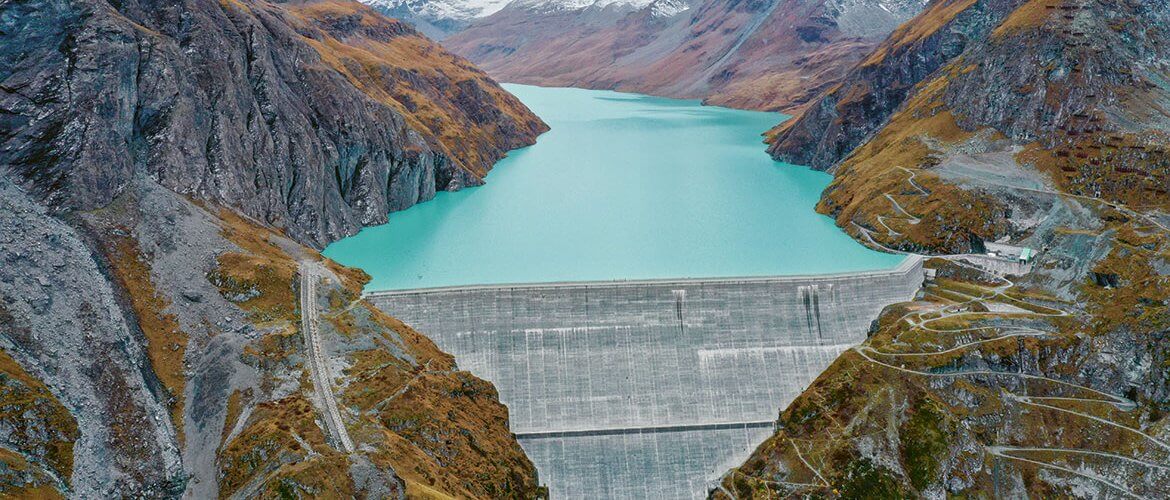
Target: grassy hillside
(1048, 132)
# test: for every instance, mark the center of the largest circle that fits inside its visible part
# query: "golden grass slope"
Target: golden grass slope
(435, 90)
(1046, 385)
(410, 411)
(36, 460)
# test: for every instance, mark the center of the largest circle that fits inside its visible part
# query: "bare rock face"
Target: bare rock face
(316, 117)
(153, 348)
(868, 95)
(1015, 99)
(63, 322)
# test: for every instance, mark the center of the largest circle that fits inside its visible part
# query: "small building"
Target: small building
(1021, 255)
(1026, 255)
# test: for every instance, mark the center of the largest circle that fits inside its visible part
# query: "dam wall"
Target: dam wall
(638, 389)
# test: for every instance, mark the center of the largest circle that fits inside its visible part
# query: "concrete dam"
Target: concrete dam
(649, 389)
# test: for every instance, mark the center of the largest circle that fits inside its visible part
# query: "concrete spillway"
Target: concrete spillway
(644, 389)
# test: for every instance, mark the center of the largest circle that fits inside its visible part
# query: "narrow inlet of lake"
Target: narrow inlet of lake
(623, 187)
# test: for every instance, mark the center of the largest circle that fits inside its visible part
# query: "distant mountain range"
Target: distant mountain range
(438, 18)
(756, 54)
(441, 18)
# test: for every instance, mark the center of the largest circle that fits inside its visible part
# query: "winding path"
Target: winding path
(1117, 401)
(1003, 452)
(1009, 332)
(920, 320)
(318, 368)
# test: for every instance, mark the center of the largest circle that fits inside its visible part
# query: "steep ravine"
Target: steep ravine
(164, 167)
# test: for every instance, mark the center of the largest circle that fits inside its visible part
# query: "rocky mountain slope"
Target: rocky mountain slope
(165, 169)
(772, 54)
(244, 104)
(1038, 122)
(850, 112)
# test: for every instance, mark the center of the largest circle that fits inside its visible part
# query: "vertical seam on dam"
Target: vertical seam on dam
(649, 388)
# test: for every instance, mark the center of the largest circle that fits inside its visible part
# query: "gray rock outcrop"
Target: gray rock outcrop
(316, 118)
(844, 118)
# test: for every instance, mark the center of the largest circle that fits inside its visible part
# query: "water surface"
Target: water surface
(624, 186)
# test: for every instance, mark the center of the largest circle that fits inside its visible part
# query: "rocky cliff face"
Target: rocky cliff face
(848, 114)
(775, 55)
(1048, 131)
(165, 166)
(800, 50)
(1031, 97)
(315, 117)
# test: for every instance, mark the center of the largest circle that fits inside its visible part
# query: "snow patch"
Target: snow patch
(468, 10)
(668, 8)
(575, 5)
(456, 10)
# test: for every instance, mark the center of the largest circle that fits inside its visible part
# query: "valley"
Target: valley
(302, 249)
(626, 280)
(622, 187)
(775, 55)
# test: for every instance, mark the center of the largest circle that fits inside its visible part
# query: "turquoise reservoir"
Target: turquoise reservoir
(624, 186)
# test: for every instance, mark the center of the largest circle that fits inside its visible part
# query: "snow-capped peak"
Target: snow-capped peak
(667, 8)
(456, 10)
(574, 5)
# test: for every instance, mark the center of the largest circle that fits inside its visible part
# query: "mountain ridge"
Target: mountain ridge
(770, 55)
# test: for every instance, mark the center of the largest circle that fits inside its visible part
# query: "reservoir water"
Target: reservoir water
(624, 186)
